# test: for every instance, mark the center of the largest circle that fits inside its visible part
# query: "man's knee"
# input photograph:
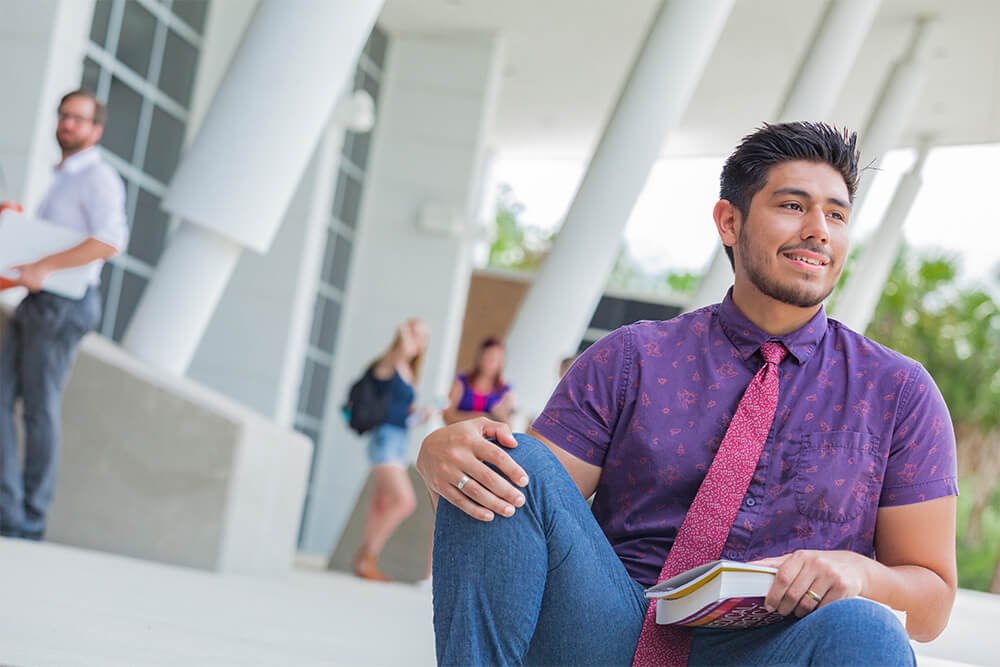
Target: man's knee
(858, 621)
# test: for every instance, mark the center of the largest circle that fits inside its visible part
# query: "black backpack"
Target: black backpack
(366, 403)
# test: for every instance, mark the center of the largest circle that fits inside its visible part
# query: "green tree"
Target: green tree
(954, 331)
(515, 246)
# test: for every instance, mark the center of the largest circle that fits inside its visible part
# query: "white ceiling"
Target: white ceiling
(565, 62)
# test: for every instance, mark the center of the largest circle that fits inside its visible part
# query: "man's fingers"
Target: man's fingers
(497, 486)
(499, 431)
(485, 498)
(496, 456)
(462, 502)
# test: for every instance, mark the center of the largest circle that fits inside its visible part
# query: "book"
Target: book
(719, 594)
(24, 239)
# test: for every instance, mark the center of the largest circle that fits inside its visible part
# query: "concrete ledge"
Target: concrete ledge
(160, 468)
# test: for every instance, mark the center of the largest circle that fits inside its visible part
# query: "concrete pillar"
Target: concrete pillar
(892, 110)
(561, 301)
(42, 46)
(240, 172)
(813, 92)
(412, 246)
(861, 292)
(277, 291)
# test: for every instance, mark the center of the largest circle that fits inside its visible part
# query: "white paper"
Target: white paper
(24, 239)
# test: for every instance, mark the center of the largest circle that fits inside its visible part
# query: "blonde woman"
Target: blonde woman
(395, 372)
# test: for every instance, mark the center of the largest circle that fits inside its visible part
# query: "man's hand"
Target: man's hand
(450, 453)
(829, 575)
(9, 205)
(31, 275)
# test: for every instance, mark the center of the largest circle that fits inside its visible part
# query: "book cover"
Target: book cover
(719, 594)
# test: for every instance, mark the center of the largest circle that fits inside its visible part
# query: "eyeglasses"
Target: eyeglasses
(76, 118)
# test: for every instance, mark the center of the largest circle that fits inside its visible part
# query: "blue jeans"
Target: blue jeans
(545, 588)
(36, 355)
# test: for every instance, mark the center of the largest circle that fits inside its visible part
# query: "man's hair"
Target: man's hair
(745, 172)
(100, 111)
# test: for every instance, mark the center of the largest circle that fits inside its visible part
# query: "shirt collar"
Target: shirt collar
(747, 337)
(79, 161)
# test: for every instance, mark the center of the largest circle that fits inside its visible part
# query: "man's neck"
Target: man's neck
(772, 316)
(70, 153)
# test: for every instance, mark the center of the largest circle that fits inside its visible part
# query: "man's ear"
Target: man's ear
(727, 221)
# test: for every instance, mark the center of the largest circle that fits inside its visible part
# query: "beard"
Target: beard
(70, 144)
(798, 295)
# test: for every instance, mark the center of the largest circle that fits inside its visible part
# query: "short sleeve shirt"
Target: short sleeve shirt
(87, 195)
(858, 427)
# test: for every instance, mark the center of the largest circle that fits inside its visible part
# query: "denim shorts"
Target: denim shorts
(388, 444)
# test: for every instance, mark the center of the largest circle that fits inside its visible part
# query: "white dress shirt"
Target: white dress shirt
(88, 195)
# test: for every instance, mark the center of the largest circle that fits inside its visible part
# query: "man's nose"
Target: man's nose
(815, 225)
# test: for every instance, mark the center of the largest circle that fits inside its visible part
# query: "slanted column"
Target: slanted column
(560, 302)
(861, 292)
(813, 92)
(893, 109)
(234, 183)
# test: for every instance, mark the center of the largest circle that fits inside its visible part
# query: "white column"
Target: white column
(238, 175)
(892, 110)
(412, 246)
(560, 302)
(813, 92)
(861, 292)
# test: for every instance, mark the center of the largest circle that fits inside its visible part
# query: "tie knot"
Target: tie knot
(773, 352)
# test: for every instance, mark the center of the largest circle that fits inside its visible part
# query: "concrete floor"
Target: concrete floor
(65, 606)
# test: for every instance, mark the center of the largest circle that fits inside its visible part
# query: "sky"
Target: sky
(671, 225)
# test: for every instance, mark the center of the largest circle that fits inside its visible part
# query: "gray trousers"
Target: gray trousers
(36, 355)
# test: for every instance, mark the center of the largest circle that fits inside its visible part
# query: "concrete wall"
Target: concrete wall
(160, 468)
(427, 152)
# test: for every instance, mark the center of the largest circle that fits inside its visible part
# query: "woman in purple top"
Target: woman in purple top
(482, 392)
(853, 494)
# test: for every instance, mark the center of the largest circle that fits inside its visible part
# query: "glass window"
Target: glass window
(124, 106)
(149, 228)
(312, 396)
(192, 12)
(348, 199)
(375, 47)
(326, 316)
(166, 136)
(102, 289)
(132, 288)
(177, 70)
(136, 38)
(341, 263)
(99, 26)
(359, 149)
(91, 75)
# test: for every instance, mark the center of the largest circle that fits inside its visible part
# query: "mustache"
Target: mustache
(808, 247)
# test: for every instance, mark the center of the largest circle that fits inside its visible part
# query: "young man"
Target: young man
(40, 342)
(846, 447)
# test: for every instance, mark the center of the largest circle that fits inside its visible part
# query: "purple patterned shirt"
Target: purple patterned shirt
(858, 427)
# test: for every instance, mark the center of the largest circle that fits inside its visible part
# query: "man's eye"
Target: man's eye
(837, 215)
(792, 206)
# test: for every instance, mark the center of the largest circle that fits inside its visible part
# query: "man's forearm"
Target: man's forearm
(83, 253)
(924, 595)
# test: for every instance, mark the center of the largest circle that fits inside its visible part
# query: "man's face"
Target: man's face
(793, 242)
(76, 129)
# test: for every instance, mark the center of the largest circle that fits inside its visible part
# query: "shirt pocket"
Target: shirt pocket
(837, 475)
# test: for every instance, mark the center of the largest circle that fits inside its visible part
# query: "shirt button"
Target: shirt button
(750, 502)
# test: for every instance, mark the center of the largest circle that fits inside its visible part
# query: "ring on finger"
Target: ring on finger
(462, 482)
(811, 593)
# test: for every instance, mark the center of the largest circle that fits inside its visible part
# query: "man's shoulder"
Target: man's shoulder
(645, 330)
(859, 349)
(102, 171)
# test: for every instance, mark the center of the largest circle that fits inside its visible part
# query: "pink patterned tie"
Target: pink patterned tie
(705, 529)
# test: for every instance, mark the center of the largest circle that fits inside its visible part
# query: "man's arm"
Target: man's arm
(33, 275)
(586, 475)
(914, 571)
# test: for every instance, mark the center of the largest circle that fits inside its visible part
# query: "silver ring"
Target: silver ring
(462, 482)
